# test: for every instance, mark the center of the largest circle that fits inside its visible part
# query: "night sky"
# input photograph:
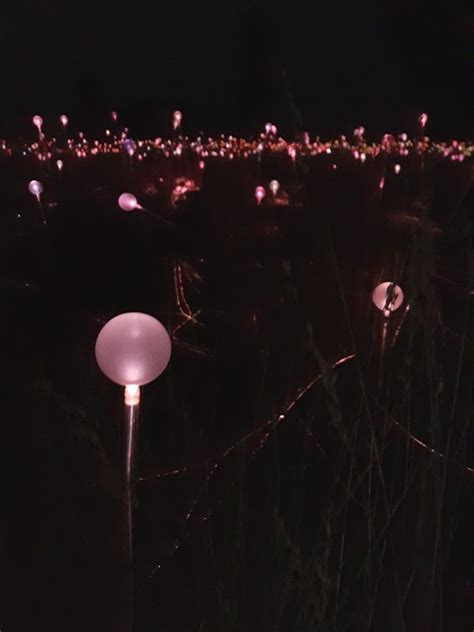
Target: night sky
(233, 65)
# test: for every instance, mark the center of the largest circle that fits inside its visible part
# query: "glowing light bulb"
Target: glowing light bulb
(268, 128)
(292, 153)
(133, 349)
(387, 297)
(35, 188)
(64, 120)
(274, 187)
(59, 165)
(128, 202)
(259, 194)
(274, 130)
(423, 119)
(38, 122)
(177, 118)
(397, 168)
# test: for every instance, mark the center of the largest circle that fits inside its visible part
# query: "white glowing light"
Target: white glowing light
(274, 187)
(59, 165)
(64, 120)
(35, 188)
(397, 168)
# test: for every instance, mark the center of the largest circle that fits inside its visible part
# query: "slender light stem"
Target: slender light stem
(43, 217)
(132, 409)
(383, 345)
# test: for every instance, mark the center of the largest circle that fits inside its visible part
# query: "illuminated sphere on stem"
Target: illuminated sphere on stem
(37, 121)
(128, 202)
(133, 349)
(259, 194)
(387, 297)
(177, 118)
(64, 120)
(274, 186)
(35, 188)
(59, 165)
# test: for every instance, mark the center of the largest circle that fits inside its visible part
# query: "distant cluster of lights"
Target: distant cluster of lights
(230, 148)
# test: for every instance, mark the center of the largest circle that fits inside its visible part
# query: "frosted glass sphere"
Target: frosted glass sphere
(387, 296)
(128, 202)
(133, 348)
(35, 188)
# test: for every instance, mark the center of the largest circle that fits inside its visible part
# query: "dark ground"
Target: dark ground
(258, 275)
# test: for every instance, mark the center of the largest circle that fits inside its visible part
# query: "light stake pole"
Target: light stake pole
(387, 297)
(132, 350)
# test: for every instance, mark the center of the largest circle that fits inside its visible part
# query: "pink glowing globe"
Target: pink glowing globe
(177, 118)
(128, 202)
(35, 188)
(64, 120)
(387, 297)
(37, 121)
(259, 194)
(133, 349)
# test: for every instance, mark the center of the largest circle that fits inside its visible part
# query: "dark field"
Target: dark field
(328, 513)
